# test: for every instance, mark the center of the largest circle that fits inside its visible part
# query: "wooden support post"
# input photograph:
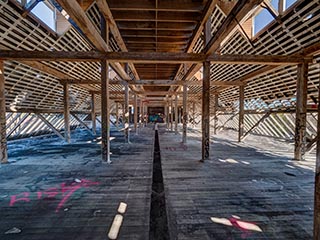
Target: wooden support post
(66, 112)
(316, 214)
(126, 113)
(140, 114)
(215, 115)
(117, 115)
(135, 116)
(176, 115)
(105, 105)
(166, 114)
(193, 114)
(3, 137)
(185, 114)
(301, 112)
(171, 116)
(93, 114)
(241, 113)
(45, 121)
(205, 121)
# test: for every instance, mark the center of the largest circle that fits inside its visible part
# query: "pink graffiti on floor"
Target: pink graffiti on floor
(65, 190)
(245, 227)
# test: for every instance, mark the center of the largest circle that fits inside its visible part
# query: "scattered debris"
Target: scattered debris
(96, 212)
(13, 230)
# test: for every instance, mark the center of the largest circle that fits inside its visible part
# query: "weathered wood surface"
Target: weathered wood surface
(88, 213)
(258, 183)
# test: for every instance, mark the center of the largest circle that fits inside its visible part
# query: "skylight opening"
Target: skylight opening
(289, 3)
(46, 14)
(261, 20)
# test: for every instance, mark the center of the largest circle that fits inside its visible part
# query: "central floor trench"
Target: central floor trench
(158, 214)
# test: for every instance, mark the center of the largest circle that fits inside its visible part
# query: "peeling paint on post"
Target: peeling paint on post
(205, 111)
(105, 105)
(215, 115)
(166, 113)
(176, 115)
(3, 137)
(140, 114)
(301, 112)
(117, 115)
(171, 115)
(126, 114)
(135, 116)
(193, 114)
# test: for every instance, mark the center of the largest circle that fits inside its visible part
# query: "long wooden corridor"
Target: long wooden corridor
(232, 85)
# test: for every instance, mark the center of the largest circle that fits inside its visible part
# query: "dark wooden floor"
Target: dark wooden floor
(240, 193)
(46, 172)
(250, 190)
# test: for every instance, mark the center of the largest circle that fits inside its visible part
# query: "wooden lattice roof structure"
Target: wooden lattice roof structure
(149, 27)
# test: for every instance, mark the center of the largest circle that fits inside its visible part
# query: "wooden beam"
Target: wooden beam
(3, 136)
(241, 113)
(258, 59)
(155, 57)
(205, 120)
(301, 112)
(151, 57)
(66, 112)
(46, 122)
(105, 10)
(72, 56)
(76, 13)
(163, 6)
(206, 16)
(80, 81)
